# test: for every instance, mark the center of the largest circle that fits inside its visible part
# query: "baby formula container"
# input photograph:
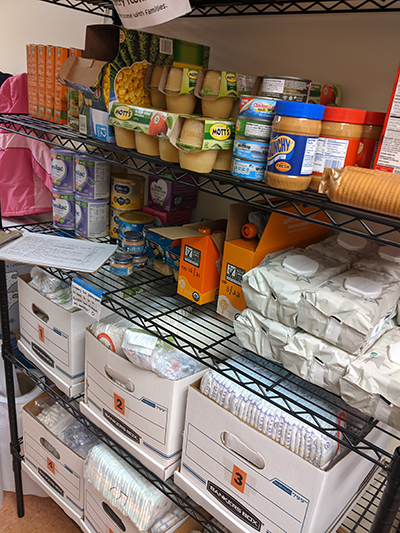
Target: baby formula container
(92, 218)
(294, 137)
(62, 171)
(127, 192)
(92, 177)
(64, 211)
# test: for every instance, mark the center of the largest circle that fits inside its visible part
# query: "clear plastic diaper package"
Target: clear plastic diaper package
(261, 335)
(344, 247)
(146, 351)
(110, 331)
(274, 287)
(51, 287)
(350, 310)
(124, 488)
(372, 381)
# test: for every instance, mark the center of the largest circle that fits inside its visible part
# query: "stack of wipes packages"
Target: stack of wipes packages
(386, 260)
(275, 287)
(344, 247)
(124, 488)
(296, 435)
(351, 310)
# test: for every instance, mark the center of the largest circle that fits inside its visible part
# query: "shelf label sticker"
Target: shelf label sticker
(86, 297)
(149, 12)
(119, 404)
(41, 333)
(238, 479)
(51, 466)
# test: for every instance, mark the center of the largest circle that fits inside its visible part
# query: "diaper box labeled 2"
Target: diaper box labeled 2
(140, 410)
(241, 255)
(49, 462)
(52, 337)
(251, 483)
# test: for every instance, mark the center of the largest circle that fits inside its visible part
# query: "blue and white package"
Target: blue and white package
(250, 149)
(92, 177)
(64, 211)
(248, 169)
(92, 218)
(62, 171)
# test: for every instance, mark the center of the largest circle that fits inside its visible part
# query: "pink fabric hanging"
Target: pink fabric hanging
(25, 163)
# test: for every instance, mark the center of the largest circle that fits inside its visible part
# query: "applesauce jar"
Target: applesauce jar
(339, 141)
(295, 131)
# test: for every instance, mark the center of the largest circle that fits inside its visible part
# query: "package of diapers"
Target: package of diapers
(372, 381)
(350, 310)
(386, 260)
(261, 335)
(274, 288)
(344, 247)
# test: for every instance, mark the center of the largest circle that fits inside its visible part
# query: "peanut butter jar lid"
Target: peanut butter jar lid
(343, 114)
(374, 118)
(299, 110)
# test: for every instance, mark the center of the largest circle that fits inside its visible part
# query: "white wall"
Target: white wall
(357, 51)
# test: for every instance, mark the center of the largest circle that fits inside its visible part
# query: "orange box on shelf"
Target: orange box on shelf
(33, 89)
(50, 79)
(41, 73)
(60, 91)
(75, 52)
(241, 255)
(29, 74)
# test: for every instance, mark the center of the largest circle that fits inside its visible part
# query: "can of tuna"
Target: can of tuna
(127, 192)
(257, 107)
(64, 211)
(250, 149)
(248, 169)
(285, 88)
(92, 177)
(62, 171)
(253, 129)
(114, 220)
(92, 218)
(133, 221)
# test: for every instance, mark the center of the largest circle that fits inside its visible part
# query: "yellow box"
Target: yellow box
(33, 90)
(41, 69)
(50, 79)
(241, 255)
(60, 91)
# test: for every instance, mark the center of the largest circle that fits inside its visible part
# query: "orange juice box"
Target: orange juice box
(60, 91)
(41, 62)
(50, 79)
(29, 74)
(33, 90)
(75, 52)
(241, 255)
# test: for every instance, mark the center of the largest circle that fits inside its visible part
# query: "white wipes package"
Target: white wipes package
(261, 335)
(372, 381)
(351, 310)
(274, 287)
(386, 260)
(344, 247)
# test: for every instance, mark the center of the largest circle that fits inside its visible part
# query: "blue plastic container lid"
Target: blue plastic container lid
(299, 110)
(121, 257)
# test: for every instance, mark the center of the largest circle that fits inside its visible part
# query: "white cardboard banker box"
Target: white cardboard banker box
(49, 462)
(273, 490)
(53, 338)
(140, 410)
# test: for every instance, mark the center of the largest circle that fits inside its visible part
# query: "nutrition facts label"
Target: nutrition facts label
(389, 156)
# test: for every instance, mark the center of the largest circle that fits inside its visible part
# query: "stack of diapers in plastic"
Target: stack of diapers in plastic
(128, 491)
(143, 349)
(52, 288)
(292, 433)
(340, 319)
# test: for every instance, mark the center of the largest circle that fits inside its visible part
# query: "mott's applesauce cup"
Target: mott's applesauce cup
(62, 171)
(339, 140)
(371, 134)
(295, 132)
(127, 192)
(285, 88)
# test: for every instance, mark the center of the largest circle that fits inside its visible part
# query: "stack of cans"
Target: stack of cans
(63, 187)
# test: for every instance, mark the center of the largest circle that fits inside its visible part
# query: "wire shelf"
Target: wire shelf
(382, 229)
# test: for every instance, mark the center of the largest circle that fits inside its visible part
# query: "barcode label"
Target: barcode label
(234, 274)
(333, 163)
(166, 46)
(82, 125)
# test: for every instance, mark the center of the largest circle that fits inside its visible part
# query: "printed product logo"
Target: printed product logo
(97, 93)
(282, 166)
(193, 74)
(192, 256)
(122, 112)
(121, 426)
(231, 77)
(123, 189)
(281, 146)
(234, 274)
(42, 354)
(234, 506)
(220, 132)
(50, 481)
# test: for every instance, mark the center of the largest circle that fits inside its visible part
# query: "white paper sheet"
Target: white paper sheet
(57, 252)
(136, 14)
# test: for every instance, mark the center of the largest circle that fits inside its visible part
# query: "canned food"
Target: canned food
(250, 149)
(133, 221)
(285, 88)
(253, 129)
(257, 107)
(248, 169)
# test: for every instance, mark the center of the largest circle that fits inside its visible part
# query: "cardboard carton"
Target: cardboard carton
(60, 91)
(55, 467)
(41, 76)
(140, 410)
(50, 81)
(168, 196)
(164, 218)
(144, 120)
(251, 483)
(241, 255)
